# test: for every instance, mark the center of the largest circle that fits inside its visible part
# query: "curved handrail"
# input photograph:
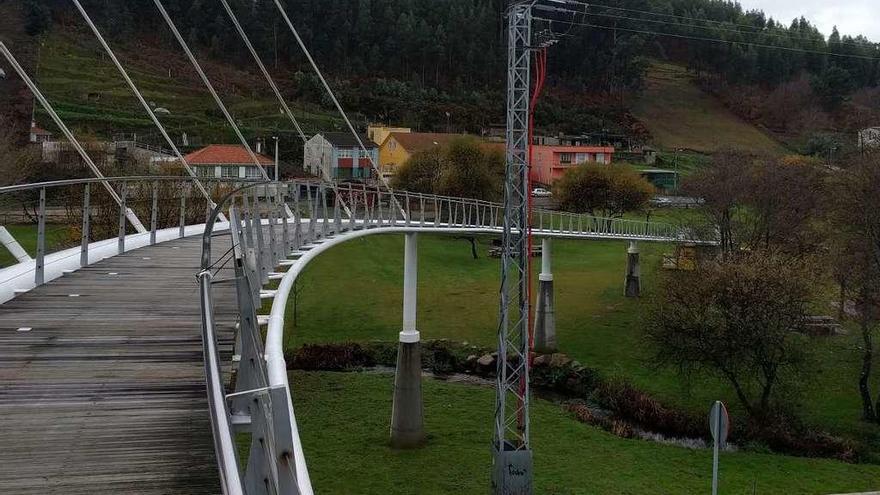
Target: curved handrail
(131, 178)
(224, 443)
(255, 259)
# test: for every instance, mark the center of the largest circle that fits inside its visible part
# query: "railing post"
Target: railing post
(273, 241)
(183, 190)
(437, 212)
(312, 210)
(262, 255)
(123, 197)
(39, 269)
(297, 219)
(154, 213)
(86, 226)
(421, 210)
(325, 222)
(406, 198)
(285, 231)
(337, 215)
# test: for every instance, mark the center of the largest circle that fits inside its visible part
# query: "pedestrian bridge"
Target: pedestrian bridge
(139, 360)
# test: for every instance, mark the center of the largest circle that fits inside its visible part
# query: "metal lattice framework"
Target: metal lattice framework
(512, 396)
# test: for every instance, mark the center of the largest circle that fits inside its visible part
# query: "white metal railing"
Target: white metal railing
(300, 219)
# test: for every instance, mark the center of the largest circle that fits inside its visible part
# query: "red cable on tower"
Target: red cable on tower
(540, 78)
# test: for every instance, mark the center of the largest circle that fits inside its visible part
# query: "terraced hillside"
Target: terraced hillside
(680, 115)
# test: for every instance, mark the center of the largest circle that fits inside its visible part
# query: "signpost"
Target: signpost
(719, 425)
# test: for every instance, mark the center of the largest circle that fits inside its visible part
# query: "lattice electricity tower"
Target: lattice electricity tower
(512, 456)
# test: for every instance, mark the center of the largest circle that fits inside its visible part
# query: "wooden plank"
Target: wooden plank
(106, 391)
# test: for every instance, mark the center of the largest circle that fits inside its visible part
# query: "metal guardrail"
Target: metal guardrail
(264, 231)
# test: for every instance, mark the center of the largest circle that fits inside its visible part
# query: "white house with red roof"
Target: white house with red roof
(227, 161)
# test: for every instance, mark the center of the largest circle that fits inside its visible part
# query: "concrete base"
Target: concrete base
(632, 285)
(511, 471)
(407, 416)
(545, 319)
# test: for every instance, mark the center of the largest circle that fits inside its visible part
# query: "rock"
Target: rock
(541, 360)
(559, 360)
(487, 361)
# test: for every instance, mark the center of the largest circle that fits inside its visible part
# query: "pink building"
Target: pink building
(549, 163)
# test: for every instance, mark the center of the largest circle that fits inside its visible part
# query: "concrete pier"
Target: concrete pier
(407, 415)
(632, 284)
(545, 314)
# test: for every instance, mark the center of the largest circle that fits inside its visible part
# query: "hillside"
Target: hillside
(88, 93)
(678, 114)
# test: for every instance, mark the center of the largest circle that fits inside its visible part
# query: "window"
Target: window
(252, 173)
(365, 154)
(204, 171)
(565, 158)
(345, 153)
(229, 172)
(600, 157)
(582, 158)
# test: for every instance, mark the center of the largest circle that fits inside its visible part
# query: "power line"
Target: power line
(712, 40)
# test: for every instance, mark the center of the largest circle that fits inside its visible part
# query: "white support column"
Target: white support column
(545, 313)
(409, 334)
(632, 283)
(407, 416)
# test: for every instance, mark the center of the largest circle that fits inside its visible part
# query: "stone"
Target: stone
(486, 361)
(541, 360)
(559, 360)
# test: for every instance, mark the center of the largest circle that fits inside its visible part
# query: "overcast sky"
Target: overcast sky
(851, 17)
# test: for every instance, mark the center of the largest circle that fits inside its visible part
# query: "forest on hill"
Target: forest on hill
(411, 61)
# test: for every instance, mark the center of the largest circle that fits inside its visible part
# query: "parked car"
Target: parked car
(540, 192)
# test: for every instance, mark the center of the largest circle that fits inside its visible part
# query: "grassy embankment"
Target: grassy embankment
(353, 293)
(343, 421)
(681, 115)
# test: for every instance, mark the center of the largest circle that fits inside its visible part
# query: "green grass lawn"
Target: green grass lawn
(344, 419)
(681, 115)
(26, 235)
(354, 293)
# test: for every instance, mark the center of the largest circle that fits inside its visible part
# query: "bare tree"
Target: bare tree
(855, 258)
(737, 319)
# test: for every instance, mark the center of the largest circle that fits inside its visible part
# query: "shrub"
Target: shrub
(331, 357)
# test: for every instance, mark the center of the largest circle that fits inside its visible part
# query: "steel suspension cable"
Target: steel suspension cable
(144, 103)
(320, 75)
(129, 213)
(207, 82)
(274, 86)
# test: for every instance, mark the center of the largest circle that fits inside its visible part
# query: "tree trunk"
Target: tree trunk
(868, 411)
(473, 241)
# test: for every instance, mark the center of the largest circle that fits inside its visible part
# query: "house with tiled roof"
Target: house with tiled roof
(399, 146)
(227, 161)
(339, 156)
(38, 134)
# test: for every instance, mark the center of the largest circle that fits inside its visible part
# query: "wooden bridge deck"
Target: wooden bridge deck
(106, 391)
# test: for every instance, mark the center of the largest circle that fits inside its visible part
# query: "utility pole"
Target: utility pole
(512, 455)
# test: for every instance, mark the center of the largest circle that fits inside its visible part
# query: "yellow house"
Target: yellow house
(379, 133)
(397, 147)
